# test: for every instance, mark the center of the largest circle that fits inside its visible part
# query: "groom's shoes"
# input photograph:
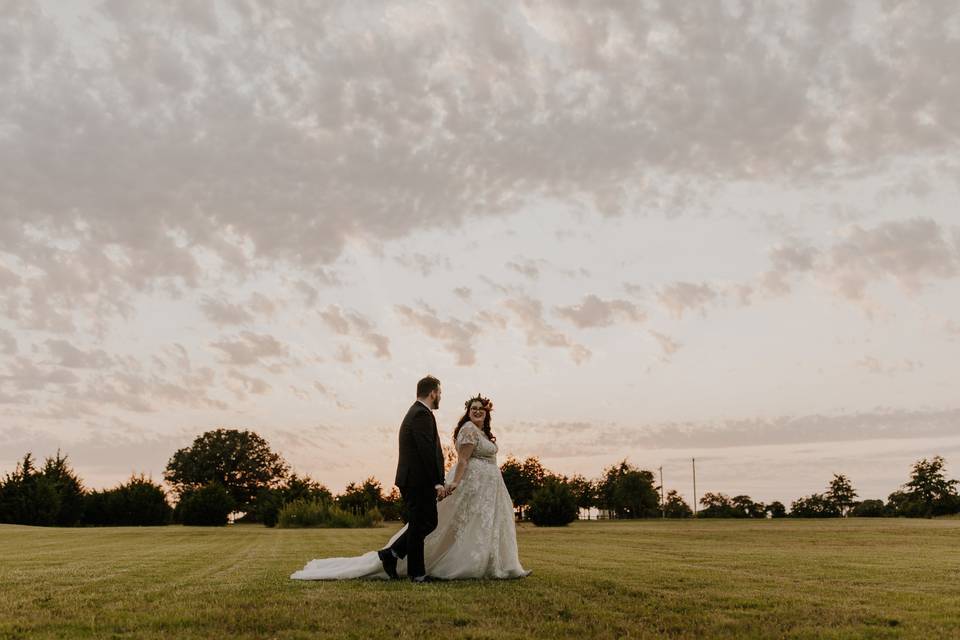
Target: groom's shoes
(389, 562)
(424, 579)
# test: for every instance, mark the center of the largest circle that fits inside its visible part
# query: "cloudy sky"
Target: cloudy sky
(653, 231)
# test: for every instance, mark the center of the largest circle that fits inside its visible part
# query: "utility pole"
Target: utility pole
(694, 461)
(663, 506)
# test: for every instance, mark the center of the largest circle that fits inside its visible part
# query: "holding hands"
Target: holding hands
(445, 490)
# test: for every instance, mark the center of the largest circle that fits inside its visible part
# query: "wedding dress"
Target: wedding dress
(475, 535)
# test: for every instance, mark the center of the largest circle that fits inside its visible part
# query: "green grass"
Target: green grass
(858, 578)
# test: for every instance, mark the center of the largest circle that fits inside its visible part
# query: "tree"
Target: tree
(718, 505)
(814, 506)
(206, 506)
(629, 492)
(901, 503)
(869, 509)
(553, 504)
(270, 501)
(512, 472)
(776, 509)
(841, 494)
(747, 508)
(358, 499)
(584, 492)
(675, 506)
(450, 457)
(137, 503)
(29, 497)
(929, 486)
(522, 480)
(239, 461)
(392, 506)
(68, 487)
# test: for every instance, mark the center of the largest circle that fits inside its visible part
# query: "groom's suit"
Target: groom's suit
(419, 471)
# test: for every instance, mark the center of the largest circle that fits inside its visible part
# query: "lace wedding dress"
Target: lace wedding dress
(475, 535)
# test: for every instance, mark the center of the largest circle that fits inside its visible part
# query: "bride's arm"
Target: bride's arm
(464, 452)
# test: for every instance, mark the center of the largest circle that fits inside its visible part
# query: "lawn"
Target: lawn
(857, 578)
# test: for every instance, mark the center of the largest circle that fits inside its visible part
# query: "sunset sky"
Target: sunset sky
(647, 230)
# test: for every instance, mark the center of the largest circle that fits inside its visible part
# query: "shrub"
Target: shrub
(321, 513)
(137, 503)
(553, 504)
(208, 506)
(266, 507)
(270, 500)
(303, 513)
(140, 502)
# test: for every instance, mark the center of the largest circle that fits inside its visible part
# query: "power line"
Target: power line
(694, 462)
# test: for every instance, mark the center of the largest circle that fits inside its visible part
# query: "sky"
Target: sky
(652, 231)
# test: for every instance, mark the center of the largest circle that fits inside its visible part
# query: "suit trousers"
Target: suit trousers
(420, 503)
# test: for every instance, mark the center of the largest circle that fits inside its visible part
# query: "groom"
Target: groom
(420, 478)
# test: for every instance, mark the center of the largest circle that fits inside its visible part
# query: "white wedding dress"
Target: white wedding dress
(475, 535)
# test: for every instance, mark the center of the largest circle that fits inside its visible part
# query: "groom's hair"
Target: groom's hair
(427, 386)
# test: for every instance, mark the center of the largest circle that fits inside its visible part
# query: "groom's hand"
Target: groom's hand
(441, 492)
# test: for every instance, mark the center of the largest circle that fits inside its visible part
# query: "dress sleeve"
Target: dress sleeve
(469, 434)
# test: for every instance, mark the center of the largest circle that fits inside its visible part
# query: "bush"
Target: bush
(553, 504)
(208, 506)
(303, 513)
(266, 508)
(321, 513)
(144, 503)
(270, 500)
(138, 503)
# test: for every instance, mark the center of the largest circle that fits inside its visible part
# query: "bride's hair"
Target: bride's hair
(465, 418)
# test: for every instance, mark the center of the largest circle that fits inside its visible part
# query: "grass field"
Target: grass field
(858, 578)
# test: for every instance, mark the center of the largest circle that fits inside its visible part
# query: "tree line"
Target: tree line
(625, 491)
(223, 472)
(228, 471)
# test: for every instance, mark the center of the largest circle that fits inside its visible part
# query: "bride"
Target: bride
(475, 535)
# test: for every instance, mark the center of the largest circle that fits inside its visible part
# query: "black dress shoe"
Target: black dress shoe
(389, 562)
(425, 579)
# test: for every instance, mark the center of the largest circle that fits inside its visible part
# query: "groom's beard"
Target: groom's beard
(436, 404)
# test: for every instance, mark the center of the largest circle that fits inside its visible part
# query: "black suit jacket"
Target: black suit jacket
(421, 459)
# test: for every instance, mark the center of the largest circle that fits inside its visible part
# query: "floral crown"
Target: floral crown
(486, 403)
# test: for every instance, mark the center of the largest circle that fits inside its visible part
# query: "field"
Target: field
(858, 578)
